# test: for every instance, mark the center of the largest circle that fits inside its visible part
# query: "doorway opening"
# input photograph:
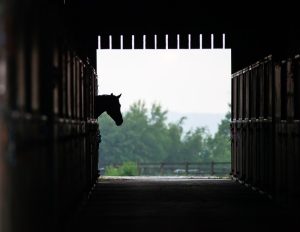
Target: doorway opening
(176, 109)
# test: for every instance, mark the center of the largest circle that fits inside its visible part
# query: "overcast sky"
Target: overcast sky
(185, 80)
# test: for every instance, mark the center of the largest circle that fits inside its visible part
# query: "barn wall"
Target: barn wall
(49, 137)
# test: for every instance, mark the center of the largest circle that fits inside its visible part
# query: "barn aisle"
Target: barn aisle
(179, 204)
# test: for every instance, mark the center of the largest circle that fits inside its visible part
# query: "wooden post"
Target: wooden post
(138, 168)
(187, 168)
(162, 169)
(212, 168)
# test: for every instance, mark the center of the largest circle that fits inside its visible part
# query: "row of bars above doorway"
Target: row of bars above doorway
(154, 40)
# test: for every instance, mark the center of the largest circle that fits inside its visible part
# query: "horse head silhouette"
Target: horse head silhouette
(111, 105)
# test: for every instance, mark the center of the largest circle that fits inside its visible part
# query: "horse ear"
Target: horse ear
(119, 96)
(111, 94)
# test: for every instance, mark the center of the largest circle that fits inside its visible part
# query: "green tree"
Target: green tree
(157, 134)
(195, 145)
(145, 136)
(174, 146)
(220, 146)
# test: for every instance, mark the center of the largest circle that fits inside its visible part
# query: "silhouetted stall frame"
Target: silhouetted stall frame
(265, 127)
(76, 135)
(51, 131)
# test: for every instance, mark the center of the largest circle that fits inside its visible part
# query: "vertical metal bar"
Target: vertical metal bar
(144, 41)
(132, 42)
(223, 41)
(246, 133)
(60, 80)
(277, 93)
(73, 80)
(93, 92)
(200, 41)
(167, 45)
(189, 41)
(110, 42)
(254, 71)
(290, 91)
(261, 81)
(121, 41)
(212, 41)
(155, 41)
(20, 77)
(99, 42)
(235, 98)
(69, 94)
(35, 76)
(247, 93)
(232, 98)
(297, 87)
(270, 87)
(82, 90)
(78, 87)
(75, 87)
(235, 150)
(56, 84)
(241, 96)
(64, 83)
(178, 41)
(284, 90)
(233, 125)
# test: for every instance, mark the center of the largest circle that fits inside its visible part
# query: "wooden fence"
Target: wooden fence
(184, 168)
(181, 168)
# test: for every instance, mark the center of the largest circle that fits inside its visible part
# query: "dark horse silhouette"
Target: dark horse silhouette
(110, 104)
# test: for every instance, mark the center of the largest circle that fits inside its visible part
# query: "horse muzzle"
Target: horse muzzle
(119, 123)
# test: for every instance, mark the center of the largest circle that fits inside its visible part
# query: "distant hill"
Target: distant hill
(193, 120)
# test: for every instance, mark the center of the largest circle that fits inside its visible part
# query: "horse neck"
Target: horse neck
(101, 105)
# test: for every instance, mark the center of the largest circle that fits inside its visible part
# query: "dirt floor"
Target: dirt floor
(180, 204)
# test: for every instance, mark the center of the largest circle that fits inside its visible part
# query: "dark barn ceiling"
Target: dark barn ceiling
(253, 30)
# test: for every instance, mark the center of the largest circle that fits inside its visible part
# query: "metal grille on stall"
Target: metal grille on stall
(53, 134)
(265, 127)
